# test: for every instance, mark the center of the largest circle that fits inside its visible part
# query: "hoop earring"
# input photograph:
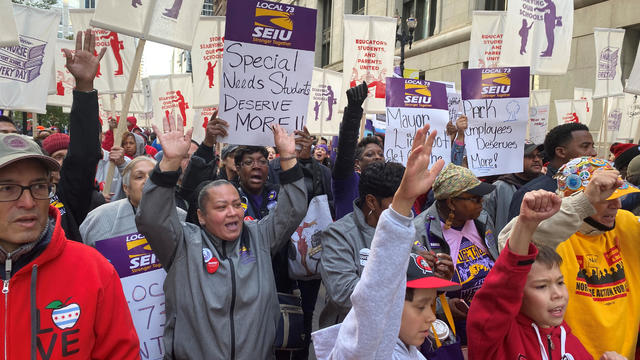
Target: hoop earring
(447, 224)
(370, 212)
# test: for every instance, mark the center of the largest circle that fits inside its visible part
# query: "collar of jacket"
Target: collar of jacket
(360, 221)
(223, 247)
(587, 228)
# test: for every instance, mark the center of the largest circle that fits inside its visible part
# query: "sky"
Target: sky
(156, 59)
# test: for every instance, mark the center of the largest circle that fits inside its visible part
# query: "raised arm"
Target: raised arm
(157, 217)
(349, 129)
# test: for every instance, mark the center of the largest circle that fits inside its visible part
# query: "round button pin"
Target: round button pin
(212, 265)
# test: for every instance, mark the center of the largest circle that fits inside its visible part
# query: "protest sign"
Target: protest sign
(369, 45)
(454, 102)
(411, 104)
(305, 241)
(137, 106)
(629, 126)
(169, 22)
(171, 96)
(8, 27)
(615, 117)
(65, 82)
(115, 66)
(267, 69)
(633, 84)
(571, 111)
(538, 115)
(485, 46)
(496, 102)
(201, 118)
(538, 34)
(323, 117)
(206, 61)
(585, 94)
(608, 69)
(142, 277)
(26, 69)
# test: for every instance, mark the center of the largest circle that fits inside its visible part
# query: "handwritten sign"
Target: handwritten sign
(411, 104)
(538, 115)
(267, 69)
(496, 102)
(142, 277)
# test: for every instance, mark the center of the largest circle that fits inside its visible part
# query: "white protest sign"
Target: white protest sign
(169, 22)
(615, 117)
(538, 34)
(411, 104)
(171, 95)
(137, 105)
(369, 45)
(585, 94)
(485, 46)
(571, 111)
(201, 118)
(206, 60)
(26, 69)
(633, 84)
(496, 102)
(142, 277)
(629, 126)
(306, 240)
(267, 69)
(538, 115)
(8, 27)
(115, 66)
(65, 82)
(323, 117)
(608, 56)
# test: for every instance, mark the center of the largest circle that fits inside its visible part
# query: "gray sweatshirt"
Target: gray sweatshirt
(231, 313)
(370, 329)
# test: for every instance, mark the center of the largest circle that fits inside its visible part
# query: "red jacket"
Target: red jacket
(66, 304)
(495, 327)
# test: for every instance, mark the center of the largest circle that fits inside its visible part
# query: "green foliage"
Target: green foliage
(54, 117)
(42, 4)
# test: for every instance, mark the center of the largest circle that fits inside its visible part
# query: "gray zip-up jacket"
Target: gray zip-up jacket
(340, 263)
(233, 312)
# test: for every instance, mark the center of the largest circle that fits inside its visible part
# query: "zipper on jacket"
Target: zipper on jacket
(233, 302)
(5, 291)
(550, 345)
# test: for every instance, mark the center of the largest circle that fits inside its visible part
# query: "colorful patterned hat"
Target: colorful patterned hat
(575, 175)
(453, 180)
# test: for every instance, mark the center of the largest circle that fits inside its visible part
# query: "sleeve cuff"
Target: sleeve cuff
(399, 218)
(581, 205)
(291, 175)
(520, 262)
(167, 179)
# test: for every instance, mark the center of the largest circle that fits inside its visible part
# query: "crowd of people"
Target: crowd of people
(423, 261)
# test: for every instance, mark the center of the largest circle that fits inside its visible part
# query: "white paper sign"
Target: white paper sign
(487, 31)
(585, 94)
(608, 55)
(538, 34)
(65, 82)
(616, 116)
(538, 115)
(8, 28)
(369, 45)
(26, 69)
(323, 117)
(201, 118)
(633, 84)
(571, 111)
(206, 60)
(171, 96)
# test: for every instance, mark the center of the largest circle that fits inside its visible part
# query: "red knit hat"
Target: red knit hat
(131, 122)
(55, 142)
(619, 148)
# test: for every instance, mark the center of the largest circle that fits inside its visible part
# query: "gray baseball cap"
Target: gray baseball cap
(14, 147)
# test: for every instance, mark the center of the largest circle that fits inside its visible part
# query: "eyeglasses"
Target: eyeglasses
(13, 192)
(475, 199)
(251, 162)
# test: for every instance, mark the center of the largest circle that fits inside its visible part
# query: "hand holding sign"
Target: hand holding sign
(215, 127)
(175, 143)
(82, 64)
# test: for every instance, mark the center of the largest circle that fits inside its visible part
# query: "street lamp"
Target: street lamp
(403, 37)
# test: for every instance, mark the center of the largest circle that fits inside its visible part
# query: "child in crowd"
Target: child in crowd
(391, 313)
(519, 311)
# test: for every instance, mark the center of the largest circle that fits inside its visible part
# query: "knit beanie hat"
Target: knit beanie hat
(624, 153)
(55, 142)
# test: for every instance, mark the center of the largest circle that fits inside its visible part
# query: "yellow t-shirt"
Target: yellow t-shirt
(602, 273)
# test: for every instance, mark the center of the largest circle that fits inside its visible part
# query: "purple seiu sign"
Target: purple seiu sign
(272, 24)
(419, 94)
(498, 83)
(129, 254)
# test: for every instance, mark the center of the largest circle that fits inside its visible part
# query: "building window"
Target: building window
(326, 32)
(357, 7)
(419, 9)
(89, 4)
(207, 8)
(494, 5)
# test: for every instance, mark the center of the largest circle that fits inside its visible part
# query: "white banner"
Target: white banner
(539, 104)
(115, 66)
(137, 105)
(306, 240)
(616, 108)
(322, 117)
(26, 69)
(487, 31)
(8, 28)
(585, 94)
(571, 111)
(169, 22)
(538, 34)
(608, 69)
(369, 45)
(633, 83)
(629, 126)
(206, 60)
(201, 118)
(65, 82)
(172, 95)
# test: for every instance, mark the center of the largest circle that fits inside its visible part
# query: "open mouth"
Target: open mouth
(232, 226)
(557, 311)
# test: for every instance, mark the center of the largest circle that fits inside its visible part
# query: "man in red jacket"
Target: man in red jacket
(61, 299)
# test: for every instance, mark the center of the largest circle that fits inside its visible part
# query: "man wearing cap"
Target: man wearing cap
(497, 202)
(7, 126)
(601, 257)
